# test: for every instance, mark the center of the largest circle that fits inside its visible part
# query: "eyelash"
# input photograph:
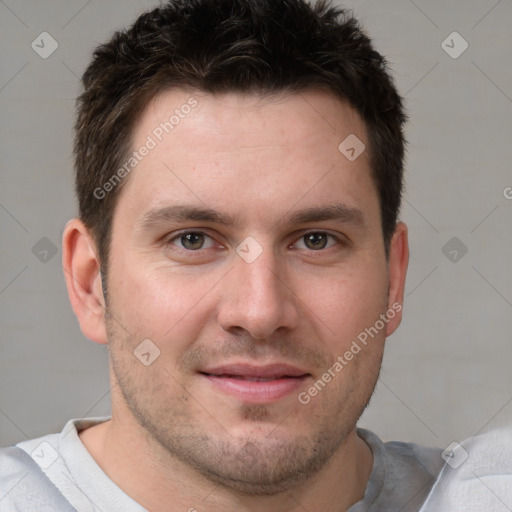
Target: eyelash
(339, 241)
(184, 233)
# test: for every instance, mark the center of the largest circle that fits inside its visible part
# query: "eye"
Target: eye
(192, 240)
(317, 240)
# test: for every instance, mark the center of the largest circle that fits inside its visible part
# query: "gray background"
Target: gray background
(446, 373)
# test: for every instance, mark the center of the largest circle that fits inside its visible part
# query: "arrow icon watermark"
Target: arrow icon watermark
(454, 249)
(44, 45)
(454, 45)
(44, 250)
(147, 352)
(249, 249)
(352, 147)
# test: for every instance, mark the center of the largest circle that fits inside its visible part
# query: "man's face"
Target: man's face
(258, 300)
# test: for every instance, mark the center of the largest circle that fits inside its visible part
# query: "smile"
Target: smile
(256, 384)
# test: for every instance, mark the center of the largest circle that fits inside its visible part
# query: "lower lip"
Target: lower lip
(257, 391)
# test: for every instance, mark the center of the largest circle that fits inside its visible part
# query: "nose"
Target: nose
(258, 299)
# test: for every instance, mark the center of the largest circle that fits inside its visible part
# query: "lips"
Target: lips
(256, 384)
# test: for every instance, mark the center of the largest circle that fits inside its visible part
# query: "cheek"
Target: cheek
(161, 305)
(344, 303)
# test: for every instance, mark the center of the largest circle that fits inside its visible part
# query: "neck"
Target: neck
(154, 478)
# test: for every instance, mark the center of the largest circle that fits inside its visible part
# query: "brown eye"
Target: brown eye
(194, 247)
(315, 241)
(192, 241)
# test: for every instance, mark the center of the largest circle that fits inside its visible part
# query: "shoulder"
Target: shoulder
(426, 459)
(34, 474)
(24, 486)
(14, 463)
(477, 475)
(405, 456)
(402, 475)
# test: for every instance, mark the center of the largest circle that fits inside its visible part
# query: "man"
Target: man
(239, 174)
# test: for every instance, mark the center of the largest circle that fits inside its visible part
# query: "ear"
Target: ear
(397, 270)
(83, 280)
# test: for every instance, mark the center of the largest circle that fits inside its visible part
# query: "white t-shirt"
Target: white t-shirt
(477, 476)
(56, 473)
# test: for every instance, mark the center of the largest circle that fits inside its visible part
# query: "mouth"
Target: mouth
(256, 384)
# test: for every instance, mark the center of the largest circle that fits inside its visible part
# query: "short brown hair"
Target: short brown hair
(221, 46)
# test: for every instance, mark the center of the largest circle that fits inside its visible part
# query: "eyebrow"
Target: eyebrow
(180, 213)
(338, 212)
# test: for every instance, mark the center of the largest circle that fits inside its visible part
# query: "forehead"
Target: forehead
(296, 117)
(248, 151)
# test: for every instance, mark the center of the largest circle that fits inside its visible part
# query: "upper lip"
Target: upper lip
(262, 371)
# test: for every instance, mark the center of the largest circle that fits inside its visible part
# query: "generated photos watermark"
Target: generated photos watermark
(152, 140)
(356, 346)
